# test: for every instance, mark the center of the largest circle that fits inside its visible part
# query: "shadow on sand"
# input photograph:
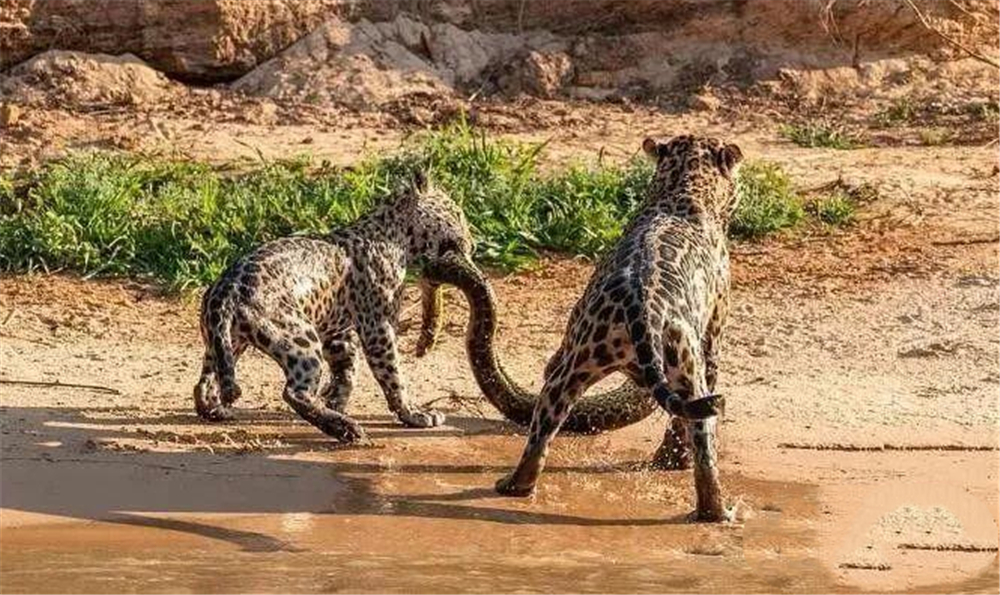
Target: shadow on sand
(50, 466)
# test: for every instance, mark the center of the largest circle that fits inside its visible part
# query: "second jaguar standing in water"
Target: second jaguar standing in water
(654, 309)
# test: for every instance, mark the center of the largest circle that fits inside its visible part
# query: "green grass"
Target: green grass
(986, 111)
(909, 111)
(811, 135)
(182, 223)
(901, 111)
(767, 203)
(835, 209)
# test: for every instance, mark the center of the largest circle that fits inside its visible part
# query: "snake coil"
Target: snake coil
(609, 410)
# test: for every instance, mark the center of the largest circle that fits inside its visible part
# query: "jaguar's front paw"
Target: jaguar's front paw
(508, 486)
(422, 418)
(343, 428)
(713, 515)
(216, 413)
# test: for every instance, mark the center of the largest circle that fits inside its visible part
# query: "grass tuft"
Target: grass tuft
(182, 223)
(767, 203)
(811, 135)
(932, 137)
(902, 110)
(836, 209)
(986, 111)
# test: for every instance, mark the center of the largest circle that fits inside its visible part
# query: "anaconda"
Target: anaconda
(609, 410)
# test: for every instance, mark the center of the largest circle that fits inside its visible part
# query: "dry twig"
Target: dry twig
(971, 52)
(885, 447)
(866, 566)
(93, 387)
(966, 241)
(948, 547)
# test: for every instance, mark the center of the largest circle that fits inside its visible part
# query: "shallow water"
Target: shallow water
(414, 514)
(454, 542)
(417, 515)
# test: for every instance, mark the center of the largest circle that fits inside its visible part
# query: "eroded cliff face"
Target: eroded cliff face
(587, 48)
(195, 40)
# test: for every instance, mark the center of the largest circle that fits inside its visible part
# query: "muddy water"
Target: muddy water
(163, 570)
(88, 506)
(358, 553)
(450, 539)
(415, 514)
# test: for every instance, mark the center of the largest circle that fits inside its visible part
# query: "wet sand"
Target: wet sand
(416, 515)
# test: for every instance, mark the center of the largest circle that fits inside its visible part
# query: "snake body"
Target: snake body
(609, 410)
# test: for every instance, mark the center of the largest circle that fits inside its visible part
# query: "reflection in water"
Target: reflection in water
(296, 522)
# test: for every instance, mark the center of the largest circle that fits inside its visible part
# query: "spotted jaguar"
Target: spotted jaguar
(308, 300)
(654, 309)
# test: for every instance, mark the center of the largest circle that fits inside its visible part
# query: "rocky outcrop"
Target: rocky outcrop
(193, 40)
(356, 65)
(374, 50)
(87, 81)
(362, 63)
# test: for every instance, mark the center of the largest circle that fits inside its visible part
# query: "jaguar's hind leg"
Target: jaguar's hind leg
(296, 347)
(210, 402)
(674, 453)
(207, 403)
(341, 354)
(565, 383)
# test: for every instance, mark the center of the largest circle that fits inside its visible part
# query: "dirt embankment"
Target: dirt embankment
(333, 77)
(606, 48)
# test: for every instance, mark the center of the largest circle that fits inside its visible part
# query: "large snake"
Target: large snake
(601, 412)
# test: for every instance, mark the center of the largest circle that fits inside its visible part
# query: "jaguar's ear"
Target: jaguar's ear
(409, 189)
(728, 157)
(651, 148)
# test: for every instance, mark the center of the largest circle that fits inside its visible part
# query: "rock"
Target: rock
(591, 93)
(384, 49)
(359, 65)
(77, 80)
(704, 102)
(465, 55)
(930, 349)
(200, 40)
(264, 113)
(9, 115)
(976, 281)
(542, 74)
(421, 115)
